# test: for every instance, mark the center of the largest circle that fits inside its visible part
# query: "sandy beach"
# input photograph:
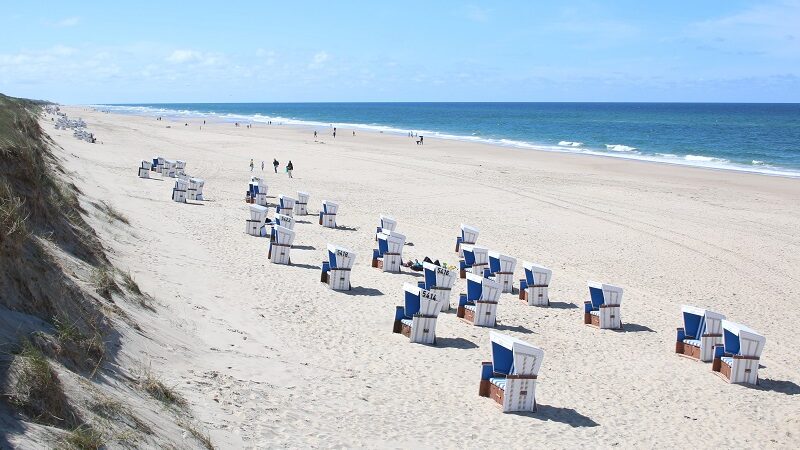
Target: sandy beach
(267, 356)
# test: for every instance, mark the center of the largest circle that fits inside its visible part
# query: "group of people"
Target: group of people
(275, 164)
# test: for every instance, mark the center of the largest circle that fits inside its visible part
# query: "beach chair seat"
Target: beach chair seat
(603, 308)
(280, 245)
(701, 331)
(469, 236)
(738, 357)
(285, 205)
(336, 270)
(416, 319)
(479, 305)
(476, 260)
(179, 191)
(301, 205)
(327, 217)
(388, 257)
(257, 220)
(534, 287)
(510, 377)
(144, 168)
(501, 269)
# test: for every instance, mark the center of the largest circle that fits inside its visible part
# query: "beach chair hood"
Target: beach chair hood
(741, 340)
(512, 356)
(340, 257)
(536, 275)
(436, 276)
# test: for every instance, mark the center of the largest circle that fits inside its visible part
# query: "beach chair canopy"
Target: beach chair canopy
(258, 212)
(604, 294)
(282, 235)
(695, 321)
(741, 340)
(388, 223)
(536, 275)
(483, 289)
(469, 234)
(475, 255)
(284, 221)
(302, 197)
(340, 257)
(419, 301)
(194, 183)
(501, 263)
(390, 242)
(512, 356)
(436, 276)
(286, 202)
(329, 207)
(181, 184)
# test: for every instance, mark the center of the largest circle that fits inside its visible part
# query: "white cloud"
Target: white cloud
(67, 22)
(193, 56)
(318, 60)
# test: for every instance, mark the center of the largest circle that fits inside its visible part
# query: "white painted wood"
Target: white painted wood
(538, 296)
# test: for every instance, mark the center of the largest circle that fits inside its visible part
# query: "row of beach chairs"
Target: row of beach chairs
(185, 187)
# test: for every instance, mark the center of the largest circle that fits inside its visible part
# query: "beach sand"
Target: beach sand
(269, 357)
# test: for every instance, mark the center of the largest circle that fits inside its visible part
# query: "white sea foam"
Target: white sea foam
(620, 148)
(698, 158)
(570, 144)
(756, 162)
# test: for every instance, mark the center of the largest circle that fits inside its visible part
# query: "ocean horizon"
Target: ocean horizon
(749, 137)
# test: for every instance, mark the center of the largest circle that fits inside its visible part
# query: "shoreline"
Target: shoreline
(702, 162)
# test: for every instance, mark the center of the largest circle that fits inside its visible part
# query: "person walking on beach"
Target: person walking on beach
(315, 134)
(275, 164)
(262, 165)
(251, 164)
(289, 168)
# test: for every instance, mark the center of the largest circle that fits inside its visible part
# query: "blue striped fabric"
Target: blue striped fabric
(727, 360)
(406, 322)
(695, 342)
(499, 382)
(470, 307)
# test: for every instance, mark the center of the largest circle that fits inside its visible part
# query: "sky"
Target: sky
(305, 51)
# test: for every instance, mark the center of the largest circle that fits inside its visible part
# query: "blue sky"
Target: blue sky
(141, 51)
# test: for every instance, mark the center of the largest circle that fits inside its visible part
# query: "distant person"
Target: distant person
(275, 164)
(204, 122)
(315, 134)
(262, 165)
(251, 164)
(334, 133)
(289, 168)
(354, 132)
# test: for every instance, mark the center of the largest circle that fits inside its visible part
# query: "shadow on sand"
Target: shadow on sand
(561, 415)
(455, 343)
(359, 291)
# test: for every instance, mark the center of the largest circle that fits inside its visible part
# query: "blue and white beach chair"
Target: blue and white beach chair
(501, 269)
(476, 260)
(179, 191)
(285, 205)
(417, 317)
(180, 167)
(701, 331)
(144, 169)
(327, 217)
(168, 168)
(469, 236)
(439, 280)
(479, 305)
(603, 308)
(510, 378)
(389, 254)
(534, 287)
(257, 220)
(257, 191)
(737, 358)
(301, 205)
(336, 270)
(280, 244)
(195, 189)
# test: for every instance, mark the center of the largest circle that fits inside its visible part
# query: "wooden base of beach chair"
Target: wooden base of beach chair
(462, 274)
(743, 371)
(253, 227)
(525, 399)
(389, 263)
(687, 350)
(179, 195)
(339, 279)
(328, 221)
(506, 280)
(607, 319)
(468, 315)
(324, 278)
(300, 209)
(249, 199)
(144, 173)
(535, 296)
(279, 254)
(260, 199)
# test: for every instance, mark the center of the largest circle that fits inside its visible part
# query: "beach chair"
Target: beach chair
(701, 331)
(284, 221)
(285, 205)
(737, 358)
(386, 223)
(180, 167)
(168, 169)
(258, 217)
(327, 217)
(301, 205)
(439, 280)
(602, 309)
(534, 287)
(257, 191)
(417, 318)
(510, 378)
(476, 259)
(479, 305)
(179, 191)
(501, 269)
(280, 244)
(195, 191)
(158, 163)
(144, 169)
(336, 270)
(469, 236)
(388, 256)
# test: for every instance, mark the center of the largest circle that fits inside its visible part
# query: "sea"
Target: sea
(748, 137)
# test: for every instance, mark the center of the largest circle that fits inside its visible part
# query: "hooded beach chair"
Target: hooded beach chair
(257, 192)
(510, 378)
(327, 217)
(439, 280)
(737, 358)
(179, 191)
(168, 169)
(701, 331)
(479, 305)
(180, 167)
(469, 236)
(533, 288)
(386, 223)
(195, 190)
(280, 244)
(602, 309)
(258, 217)
(388, 256)
(416, 319)
(144, 169)
(284, 221)
(501, 269)
(301, 205)
(336, 270)
(285, 205)
(476, 259)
